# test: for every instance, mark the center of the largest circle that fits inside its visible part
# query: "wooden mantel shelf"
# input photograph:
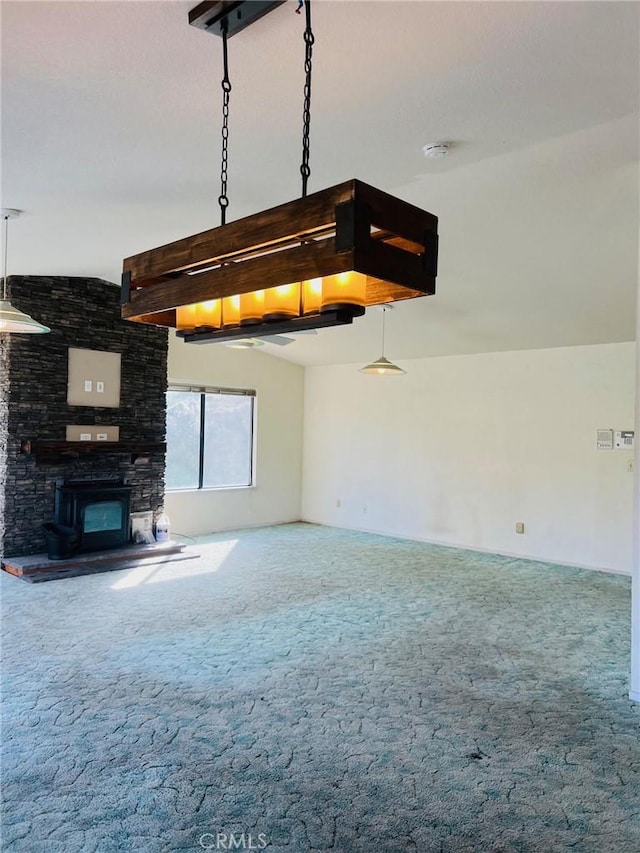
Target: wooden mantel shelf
(61, 451)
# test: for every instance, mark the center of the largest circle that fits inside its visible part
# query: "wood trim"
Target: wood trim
(310, 260)
(379, 291)
(161, 318)
(292, 220)
(60, 451)
(394, 215)
(389, 263)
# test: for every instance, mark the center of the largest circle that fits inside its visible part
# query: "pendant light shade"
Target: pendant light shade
(12, 320)
(186, 317)
(209, 314)
(231, 311)
(382, 366)
(245, 343)
(343, 291)
(311, 296)
(282, 303)
(251, 308)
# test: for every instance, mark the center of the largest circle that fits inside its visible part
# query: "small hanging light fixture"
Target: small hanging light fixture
(382, 366)
(317, 261)
(245, 343)
(12, 320)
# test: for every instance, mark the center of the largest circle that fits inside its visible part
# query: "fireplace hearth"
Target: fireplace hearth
(98, 510)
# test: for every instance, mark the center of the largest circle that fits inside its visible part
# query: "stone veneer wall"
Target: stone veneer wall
(82, 313)
(4, 424)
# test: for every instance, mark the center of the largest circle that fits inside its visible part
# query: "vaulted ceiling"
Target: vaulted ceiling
(110, 146)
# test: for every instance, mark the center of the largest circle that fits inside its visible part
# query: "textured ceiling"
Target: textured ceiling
(110, 146)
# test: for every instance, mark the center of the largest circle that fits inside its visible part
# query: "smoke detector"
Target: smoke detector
(436, 150)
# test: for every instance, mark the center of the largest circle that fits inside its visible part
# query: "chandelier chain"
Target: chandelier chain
(305, 170)
(384, 316)
(5, 253)
(223, 199)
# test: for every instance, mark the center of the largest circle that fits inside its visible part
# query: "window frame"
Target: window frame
(202, 391)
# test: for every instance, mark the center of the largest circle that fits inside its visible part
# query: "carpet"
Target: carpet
(301, 688)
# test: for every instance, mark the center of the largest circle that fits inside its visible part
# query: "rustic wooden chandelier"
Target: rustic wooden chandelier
(318, 261)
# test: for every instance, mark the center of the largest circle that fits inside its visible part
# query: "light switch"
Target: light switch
(100, 387)
(101, 436)
(88, 385)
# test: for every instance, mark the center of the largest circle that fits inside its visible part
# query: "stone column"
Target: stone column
(84, 314)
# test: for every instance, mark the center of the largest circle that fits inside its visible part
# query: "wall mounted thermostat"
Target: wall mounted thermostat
(623, 439)
(604, 441)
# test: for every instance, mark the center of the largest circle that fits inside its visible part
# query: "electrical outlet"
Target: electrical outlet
(519, 526)
(85, 436)
(101, 436)
(338, 503)
(88, 386)
(100, 387)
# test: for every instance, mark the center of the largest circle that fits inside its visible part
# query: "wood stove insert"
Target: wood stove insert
(98, 510)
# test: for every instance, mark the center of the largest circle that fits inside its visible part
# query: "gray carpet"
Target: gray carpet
(306, 689)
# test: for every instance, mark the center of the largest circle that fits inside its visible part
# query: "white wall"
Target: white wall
(462, 447)
(280, 391)
(634, 691)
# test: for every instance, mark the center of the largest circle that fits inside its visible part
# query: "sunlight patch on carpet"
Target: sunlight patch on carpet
(216, 554)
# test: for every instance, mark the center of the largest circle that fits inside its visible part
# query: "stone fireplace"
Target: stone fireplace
(35, 458)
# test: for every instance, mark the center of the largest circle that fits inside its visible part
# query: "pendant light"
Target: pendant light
(245, 343)
(317, 261)
(382, 366)
(13, 320)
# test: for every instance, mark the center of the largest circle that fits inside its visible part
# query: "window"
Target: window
(209, 438)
